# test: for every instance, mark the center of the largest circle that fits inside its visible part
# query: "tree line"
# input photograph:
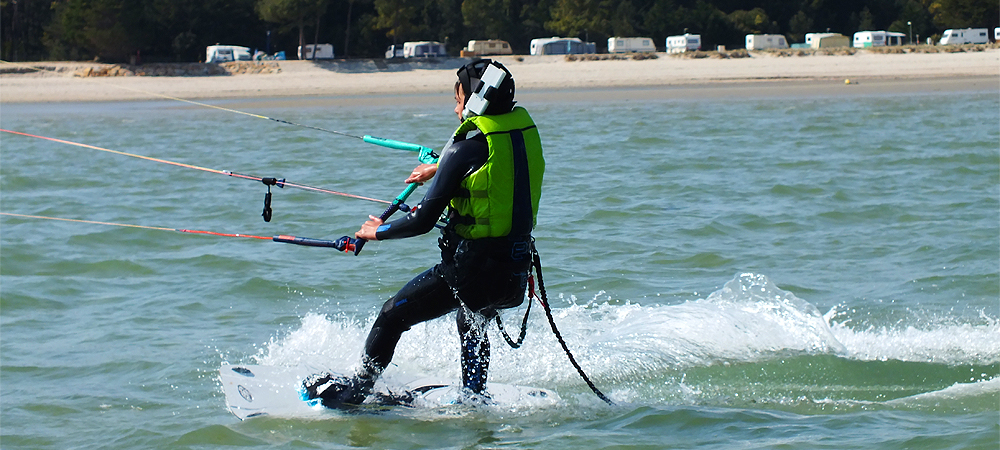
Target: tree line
(179, 30)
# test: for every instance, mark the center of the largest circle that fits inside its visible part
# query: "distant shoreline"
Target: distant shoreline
(538, 76)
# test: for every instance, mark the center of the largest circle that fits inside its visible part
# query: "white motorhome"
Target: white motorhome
(684, 43)
(964, 36)
(827, 40)
(225, 53)
(322, 51)
(867, 39)
(765, 41)
(630, 44)
(424, 49)
(489, 47)
(561, 46)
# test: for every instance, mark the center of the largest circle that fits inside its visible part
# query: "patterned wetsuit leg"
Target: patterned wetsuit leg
(475, 349)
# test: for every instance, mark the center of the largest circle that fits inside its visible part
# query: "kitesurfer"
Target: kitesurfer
(489, 179)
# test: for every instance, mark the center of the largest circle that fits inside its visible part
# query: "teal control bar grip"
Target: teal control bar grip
(427, 155)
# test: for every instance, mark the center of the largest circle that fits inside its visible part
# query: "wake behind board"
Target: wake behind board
(253, 391)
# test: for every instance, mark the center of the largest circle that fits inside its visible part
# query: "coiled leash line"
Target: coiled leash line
(536, 264)
(524, 321)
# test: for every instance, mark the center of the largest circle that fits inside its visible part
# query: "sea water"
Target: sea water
(796, 273)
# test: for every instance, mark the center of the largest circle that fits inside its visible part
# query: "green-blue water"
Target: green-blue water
(792, 273)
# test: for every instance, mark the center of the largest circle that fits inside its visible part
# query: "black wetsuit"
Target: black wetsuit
(484, 275)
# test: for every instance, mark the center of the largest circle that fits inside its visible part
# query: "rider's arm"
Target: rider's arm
(457, 161)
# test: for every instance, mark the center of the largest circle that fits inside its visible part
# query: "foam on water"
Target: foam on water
(936, 341)
(643, 352)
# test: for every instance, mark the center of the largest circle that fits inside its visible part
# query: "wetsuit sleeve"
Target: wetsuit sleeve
(458, 160)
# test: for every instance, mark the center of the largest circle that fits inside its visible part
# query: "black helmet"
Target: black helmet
(501, 99)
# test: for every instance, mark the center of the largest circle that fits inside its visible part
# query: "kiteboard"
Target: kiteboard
(253, 391)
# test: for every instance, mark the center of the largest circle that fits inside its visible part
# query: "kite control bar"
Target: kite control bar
(425, 155)
(343, 244)
(352, 244)
(347, 243)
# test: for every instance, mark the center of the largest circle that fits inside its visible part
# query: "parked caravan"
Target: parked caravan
(684, 43)
(424, 49)
(224, 53)
(561, 46)
(827, 40)
(765, 41)
(489, 47)
(630, 44)
(868, 39)
(322, 51)
(965, 36)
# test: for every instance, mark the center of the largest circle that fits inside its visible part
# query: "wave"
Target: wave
(749, 342)
(965, 396)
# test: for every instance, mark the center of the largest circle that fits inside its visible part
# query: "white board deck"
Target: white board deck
(253, 391)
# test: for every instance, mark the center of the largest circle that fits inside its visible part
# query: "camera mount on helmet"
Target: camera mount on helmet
(486, 82)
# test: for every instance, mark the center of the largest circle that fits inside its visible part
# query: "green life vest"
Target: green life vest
(502, 196)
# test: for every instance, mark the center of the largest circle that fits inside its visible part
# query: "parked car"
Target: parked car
(394, 51)
(225, 53)
(322, 51)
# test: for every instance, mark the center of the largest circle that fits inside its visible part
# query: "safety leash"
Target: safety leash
(524, 321)
(537, 265)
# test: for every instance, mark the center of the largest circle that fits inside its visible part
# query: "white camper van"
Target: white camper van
(561, 46)
(489, 47)
(765, 41)
(225, 53)
(630, 44)
(867, 39)
(424, 49)
(322, 51)
(684, 43)
(965, 36)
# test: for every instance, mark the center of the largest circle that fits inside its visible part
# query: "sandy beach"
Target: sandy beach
(540, 77)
